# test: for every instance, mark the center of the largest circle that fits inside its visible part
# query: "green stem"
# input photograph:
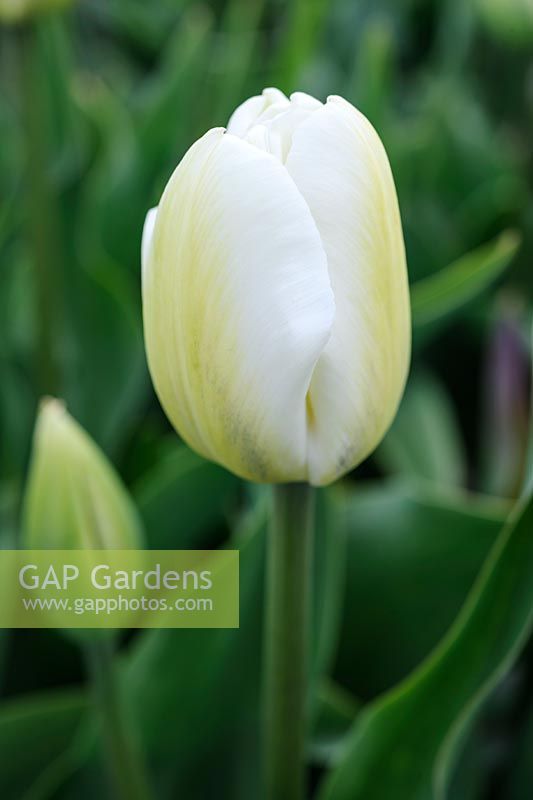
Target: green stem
(287, 641)
(42, 218)
(125, 763)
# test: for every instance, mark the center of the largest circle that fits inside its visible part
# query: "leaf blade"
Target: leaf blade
(410, 728)
(438, 295)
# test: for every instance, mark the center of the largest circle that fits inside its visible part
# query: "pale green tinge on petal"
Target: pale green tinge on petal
(340, 166)
(237, 308)
(74, 499)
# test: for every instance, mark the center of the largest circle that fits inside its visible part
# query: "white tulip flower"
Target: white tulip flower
(275, 293)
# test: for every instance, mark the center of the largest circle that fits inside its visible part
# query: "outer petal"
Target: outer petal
(148, 232)
(339, 165)
(237, 308)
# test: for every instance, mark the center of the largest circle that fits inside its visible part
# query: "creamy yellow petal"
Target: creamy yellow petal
(340, 166)
(237, 308)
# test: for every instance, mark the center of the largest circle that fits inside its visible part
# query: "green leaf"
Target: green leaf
(172, 88)
(329, 579)
(476, 763)
(17, 412)
(521, 773)
(425, 440)
(403, 746)
(196, 691)
(438, 295)
(116, 180)
(233, 63)
(335, 711)
(371, 81)
(528, 472)
(413, 554)
(303, 27)
(34, 732)
(106, 371)
(68, 146)
(183, 499)
(136, 25)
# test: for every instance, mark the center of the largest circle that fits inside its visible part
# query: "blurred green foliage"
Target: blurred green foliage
(97, 106)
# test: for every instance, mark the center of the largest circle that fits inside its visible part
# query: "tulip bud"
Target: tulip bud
(13, 11)
(74, 498)
(275, 294)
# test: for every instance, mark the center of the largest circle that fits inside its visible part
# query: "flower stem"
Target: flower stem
(125, 763)
(287, 640)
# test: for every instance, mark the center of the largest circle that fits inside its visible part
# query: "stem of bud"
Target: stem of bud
(125, 763)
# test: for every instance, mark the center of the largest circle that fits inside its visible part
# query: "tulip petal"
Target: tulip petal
(237, 316)
(339, 165)
(148, 232)
(252, 110)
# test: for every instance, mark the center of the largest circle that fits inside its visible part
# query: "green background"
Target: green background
(97, 105)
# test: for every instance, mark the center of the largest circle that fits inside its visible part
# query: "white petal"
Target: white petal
(238, 307)
(148, 231)
(304, 100)
(248, 113)
(339, 165)
(274, 126)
